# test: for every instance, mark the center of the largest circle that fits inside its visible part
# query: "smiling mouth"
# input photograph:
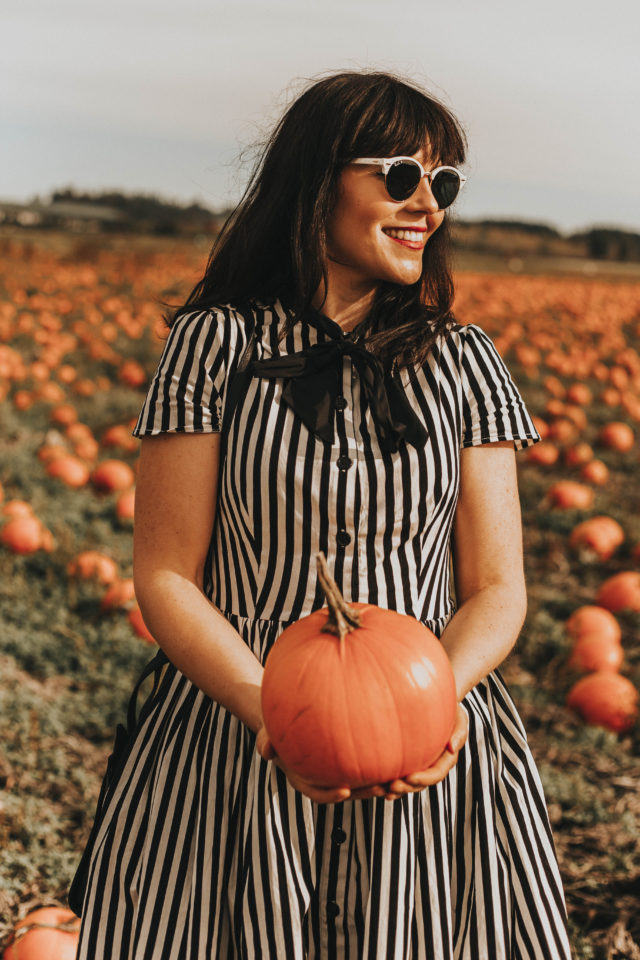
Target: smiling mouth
(415, 239)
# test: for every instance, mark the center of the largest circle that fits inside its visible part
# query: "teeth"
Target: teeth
(414, 236)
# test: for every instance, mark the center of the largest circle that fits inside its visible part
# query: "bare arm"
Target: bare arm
(488, 565)
(176, 496)
(490, 588)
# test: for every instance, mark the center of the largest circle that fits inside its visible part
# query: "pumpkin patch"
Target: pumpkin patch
(80, 335)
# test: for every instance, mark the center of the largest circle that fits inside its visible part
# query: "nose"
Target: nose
(423, 199)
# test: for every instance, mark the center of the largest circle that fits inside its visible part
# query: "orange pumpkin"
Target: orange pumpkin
(119, 435)
(48, 933)
(591, 653)
(605, 699)
(541, 426)
(621, 592)
(595, 472)
(125, 505)
(617, 436)
(544, 453)
(93, 565)
(132, 374)
(580, 394)
(64, 414)
(22, 534)
(119, 594)
(77, 431)
(577, 455)
(354, 694)
(70, 470)
(112, 475)
(590, 620)
(600, 536)
(17, 508)
(569, 495)
(563, 430)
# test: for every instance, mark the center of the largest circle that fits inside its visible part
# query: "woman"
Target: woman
(316, 394)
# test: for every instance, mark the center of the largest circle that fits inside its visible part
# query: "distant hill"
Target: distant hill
(514, 238)
(112, 211)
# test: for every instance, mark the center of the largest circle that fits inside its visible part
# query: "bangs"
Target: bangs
(397, 120)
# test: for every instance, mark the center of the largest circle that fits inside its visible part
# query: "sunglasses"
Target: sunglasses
(402, 176)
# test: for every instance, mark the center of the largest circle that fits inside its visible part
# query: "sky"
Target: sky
(168, 97)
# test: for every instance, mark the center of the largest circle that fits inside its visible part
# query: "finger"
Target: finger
(365, 793)
(438, 771)
(460, 733)
(320, 794)
(263, 744)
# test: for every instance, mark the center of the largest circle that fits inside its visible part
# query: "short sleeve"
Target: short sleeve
(492, 407)
(186, 394)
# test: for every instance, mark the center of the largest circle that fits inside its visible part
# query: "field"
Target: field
(80, 326)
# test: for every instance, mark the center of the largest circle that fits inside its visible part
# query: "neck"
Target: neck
(347, 305)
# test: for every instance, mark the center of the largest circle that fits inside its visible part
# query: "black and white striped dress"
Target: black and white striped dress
(202, 849)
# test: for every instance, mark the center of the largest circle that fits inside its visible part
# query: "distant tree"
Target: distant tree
(538, 229)
(608, 243)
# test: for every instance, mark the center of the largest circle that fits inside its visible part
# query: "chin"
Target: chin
(405, 278)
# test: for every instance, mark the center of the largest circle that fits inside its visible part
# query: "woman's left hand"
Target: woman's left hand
(425, 778)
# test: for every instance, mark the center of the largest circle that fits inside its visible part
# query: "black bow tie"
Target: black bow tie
(314, 379)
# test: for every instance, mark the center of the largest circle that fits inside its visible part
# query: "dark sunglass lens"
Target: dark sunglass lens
(445, 187)
(402, 179)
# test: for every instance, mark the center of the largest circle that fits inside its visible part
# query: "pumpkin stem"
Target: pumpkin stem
(342, 618)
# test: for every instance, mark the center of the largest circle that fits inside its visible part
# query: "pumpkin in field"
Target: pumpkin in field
(70, 470)
(119, 594)
(64, 414)
(356, 695)
(617, 436)
(112, 475)
(119, 435)
(93, 565)
(125, 505)
(569, 495)
(595, 472)
(600, 536)
(577, 455)
(591, 654)
(579, 393)
(541, 426)
(605, 699)
(22, 534)
(48, 933)
(591, 620)
(544, 453)
(17, 508)
(621, 592)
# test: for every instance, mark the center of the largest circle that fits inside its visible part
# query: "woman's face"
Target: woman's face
(371, 237)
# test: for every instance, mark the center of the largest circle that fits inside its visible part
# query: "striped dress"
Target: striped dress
(202, 849)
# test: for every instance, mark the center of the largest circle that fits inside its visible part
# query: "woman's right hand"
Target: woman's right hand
(316, 793)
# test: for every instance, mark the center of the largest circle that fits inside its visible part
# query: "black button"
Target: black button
(332, 908)
(344, 462)
(343, 538)
(341, 403)
(338, 835)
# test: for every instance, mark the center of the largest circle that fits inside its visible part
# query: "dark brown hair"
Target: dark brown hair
(273, 246)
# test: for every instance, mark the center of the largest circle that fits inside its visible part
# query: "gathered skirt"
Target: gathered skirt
(202, 849)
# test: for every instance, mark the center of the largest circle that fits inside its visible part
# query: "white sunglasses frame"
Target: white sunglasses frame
(387, 162)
